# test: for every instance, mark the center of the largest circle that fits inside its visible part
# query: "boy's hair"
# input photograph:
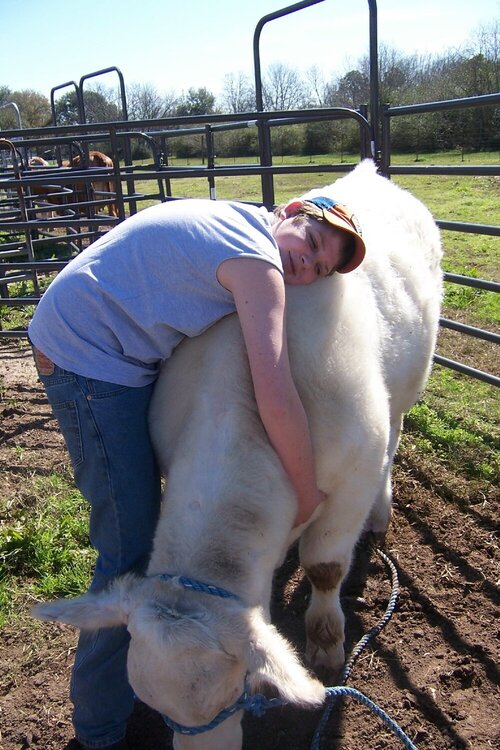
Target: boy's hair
(310, 210)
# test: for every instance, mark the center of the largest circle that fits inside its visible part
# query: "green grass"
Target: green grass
(467, 199)
(444, 427)
(447, 158)
(17, 318)
(44, 546)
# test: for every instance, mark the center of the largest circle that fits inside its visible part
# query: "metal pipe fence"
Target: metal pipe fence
(492, 230)
(50, 213)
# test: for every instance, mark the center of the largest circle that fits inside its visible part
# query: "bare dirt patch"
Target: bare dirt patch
(433, 668)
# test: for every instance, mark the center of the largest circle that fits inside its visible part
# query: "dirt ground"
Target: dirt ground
(433, 668)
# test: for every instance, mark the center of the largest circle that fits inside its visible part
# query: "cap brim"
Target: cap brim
(337, 219)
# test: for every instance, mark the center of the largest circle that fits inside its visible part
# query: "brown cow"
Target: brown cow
(55, 194)
(48, 193)
(98, 159)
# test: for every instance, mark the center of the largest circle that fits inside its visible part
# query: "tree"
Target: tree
(98, 108)
(319, 138)
(146, 103)
(196, 102)
(486, 42)
(34, 108)
(7, 116)
(101, 105)
(352, 90)
(287, 139)
(5, 94)
(66, 109)
(238, 93)
(239, 142)
(317, 88)
(283, 88)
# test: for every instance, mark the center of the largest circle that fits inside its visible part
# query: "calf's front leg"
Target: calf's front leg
(324, 617)
(326, 549)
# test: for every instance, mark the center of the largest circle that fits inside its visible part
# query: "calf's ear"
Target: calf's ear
(272, 660)
(104, 609)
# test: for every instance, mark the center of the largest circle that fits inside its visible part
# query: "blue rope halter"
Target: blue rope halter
(258, 705)
(194, 585)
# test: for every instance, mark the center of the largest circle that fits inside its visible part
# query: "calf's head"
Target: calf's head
(190, 654)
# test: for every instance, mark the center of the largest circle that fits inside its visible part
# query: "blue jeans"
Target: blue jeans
(106, 432)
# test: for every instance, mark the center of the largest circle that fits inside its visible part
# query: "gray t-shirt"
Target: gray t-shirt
(120, 307)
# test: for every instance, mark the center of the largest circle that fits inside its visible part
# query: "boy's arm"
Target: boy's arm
(259, 294)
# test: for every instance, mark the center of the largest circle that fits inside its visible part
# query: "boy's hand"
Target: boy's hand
(309, 513)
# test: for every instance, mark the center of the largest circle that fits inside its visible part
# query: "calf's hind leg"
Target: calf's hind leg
(381, 512)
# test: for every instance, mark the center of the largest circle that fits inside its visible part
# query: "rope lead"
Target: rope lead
(340, 691)
(335, 693)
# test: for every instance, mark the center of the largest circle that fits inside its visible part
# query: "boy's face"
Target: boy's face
(309, 249)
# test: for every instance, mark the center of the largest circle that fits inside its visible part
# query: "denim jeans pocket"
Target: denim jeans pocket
(102, 389)
(69, 423)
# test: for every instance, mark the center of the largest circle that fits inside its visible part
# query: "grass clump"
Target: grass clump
(443, 426)
(44, 545)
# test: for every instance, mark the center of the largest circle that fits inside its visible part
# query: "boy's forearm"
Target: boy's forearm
(288, 432)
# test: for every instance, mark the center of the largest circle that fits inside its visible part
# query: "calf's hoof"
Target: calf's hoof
(325, 659)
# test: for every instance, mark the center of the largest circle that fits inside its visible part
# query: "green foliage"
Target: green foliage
(99, 107)
(196, 102)
(34, 109)
(287, 140)
(319, 138)
(235, 143)
(5, 93)
(15, 318)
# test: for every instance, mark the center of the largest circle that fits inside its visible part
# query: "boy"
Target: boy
(102, 330)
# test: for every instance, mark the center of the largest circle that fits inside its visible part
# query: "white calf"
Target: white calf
(361, 347)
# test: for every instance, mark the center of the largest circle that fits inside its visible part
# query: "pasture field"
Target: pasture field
(434, 667)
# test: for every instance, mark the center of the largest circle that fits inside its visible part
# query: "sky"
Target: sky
(178, 44)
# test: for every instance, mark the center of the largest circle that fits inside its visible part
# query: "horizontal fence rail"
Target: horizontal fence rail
(478, 333)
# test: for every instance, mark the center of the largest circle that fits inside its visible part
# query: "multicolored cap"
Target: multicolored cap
(341, 217)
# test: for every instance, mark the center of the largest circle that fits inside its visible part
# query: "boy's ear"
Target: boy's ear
(290, 209)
